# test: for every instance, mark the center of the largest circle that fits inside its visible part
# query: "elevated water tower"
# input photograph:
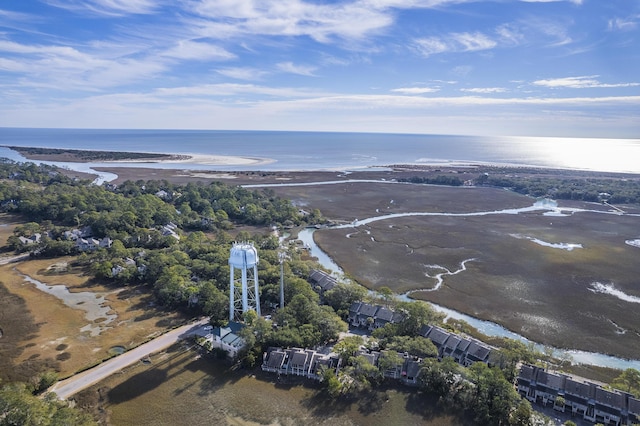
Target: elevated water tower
(243, 294)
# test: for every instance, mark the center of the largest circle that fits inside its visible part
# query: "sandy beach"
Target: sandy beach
(212, 160)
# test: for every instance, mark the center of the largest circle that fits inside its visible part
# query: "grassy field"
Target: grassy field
(178, 387)
(46, 334)
(541, 292)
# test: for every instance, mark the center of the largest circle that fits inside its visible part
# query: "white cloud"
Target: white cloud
(624, 24)
(322, 22)
(581, 82)
(290, 67)
(454, 42)
(415, 90)
(578, 2)
(230, 89)
(485, 90)
(66, 68)
(242, 73)
(107, 7)
(188, 49)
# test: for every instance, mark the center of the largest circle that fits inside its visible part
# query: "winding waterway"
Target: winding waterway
(550, 207)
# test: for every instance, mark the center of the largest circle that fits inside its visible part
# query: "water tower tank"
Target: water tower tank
(243, 255)
(243, 297)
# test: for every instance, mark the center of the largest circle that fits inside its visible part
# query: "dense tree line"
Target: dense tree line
(19, 405)
(86, 155)
(538, 183)
(593, 189)
(435, 180)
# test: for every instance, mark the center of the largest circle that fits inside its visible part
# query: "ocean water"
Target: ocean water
(339, 151)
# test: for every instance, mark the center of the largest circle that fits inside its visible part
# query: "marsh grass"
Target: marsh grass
(540, 292)
(178, 387)
(47, 334)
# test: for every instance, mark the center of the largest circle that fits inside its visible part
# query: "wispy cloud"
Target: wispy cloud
(321, 22)
(242, 73)
(580, 82)
(624, 24)
(188, 49)
(107, 7)
(290, 67)
(228, 89)
(485, 90)
(65, 67)
(454, 42)
(415, 90)
(578, 2)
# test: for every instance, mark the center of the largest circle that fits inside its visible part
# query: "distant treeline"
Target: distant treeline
(448, 180)
(560, 186)
(87, 155)
(614, 191)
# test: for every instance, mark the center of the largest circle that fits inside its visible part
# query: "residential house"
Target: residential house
(227, 338)
(463, 350)
(476, 352)
(578, 397)
(89, 244)
(609, 406)
(411, 370)
(586, 400)
(273, 360)
(298, 362)
(33, 239)
(169, 230)
(321, 281)
(162, 194)
(365, 315)
(633, 410)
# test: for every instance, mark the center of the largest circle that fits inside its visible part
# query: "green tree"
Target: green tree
(628, 381)
(343, 295)
(18, 406)
(439, 377)
(347, 348)
(418, 346)
(521, 416)
(493, 397)
(416, 315)
(389, 361)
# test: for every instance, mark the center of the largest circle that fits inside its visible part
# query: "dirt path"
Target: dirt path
(6, 260)
(74, 384)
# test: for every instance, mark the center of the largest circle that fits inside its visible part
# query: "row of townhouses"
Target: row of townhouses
(464, 350)
(369, 316)
(309, 363)
(298, 362)
(585, 400)
(321, 281)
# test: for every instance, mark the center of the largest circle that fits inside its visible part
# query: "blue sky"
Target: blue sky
(501, 67)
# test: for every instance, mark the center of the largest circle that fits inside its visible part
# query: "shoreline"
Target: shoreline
(140, 160)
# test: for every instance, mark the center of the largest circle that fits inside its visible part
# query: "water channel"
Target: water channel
(489, 328)
(94, 304)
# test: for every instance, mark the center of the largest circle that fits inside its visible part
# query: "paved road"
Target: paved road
(74, 384)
